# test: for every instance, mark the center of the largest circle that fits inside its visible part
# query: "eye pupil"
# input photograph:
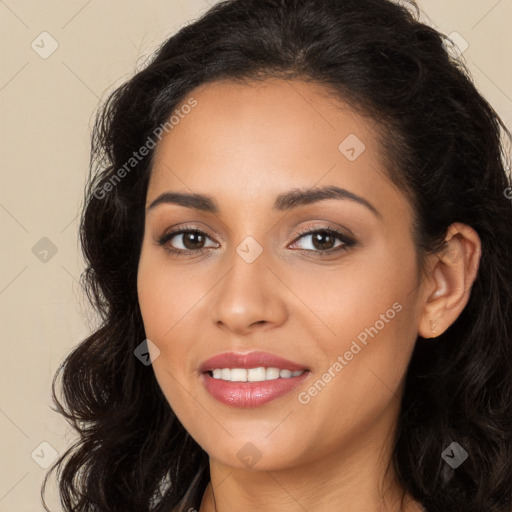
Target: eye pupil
(321, 235)
(194, 236)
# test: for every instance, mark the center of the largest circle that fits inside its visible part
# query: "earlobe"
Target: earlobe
(430, 327)
(451, 278)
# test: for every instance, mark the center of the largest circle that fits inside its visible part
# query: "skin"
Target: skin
(243, 144)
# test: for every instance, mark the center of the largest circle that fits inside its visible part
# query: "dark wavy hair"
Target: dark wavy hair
(442, 146)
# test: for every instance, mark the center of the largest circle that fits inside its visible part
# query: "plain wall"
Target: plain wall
(46, 112)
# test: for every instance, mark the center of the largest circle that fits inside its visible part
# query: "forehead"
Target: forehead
(250, 138)
(282, 114)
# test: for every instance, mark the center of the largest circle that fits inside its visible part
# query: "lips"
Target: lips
(249, 360)
(254, 393)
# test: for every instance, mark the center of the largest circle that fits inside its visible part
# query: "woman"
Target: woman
(298, 238)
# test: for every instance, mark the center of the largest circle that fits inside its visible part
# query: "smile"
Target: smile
(253, 374)
(250, 379)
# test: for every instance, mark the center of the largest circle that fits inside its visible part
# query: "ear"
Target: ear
(453, 272)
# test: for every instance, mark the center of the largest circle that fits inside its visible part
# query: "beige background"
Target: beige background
(47, 107)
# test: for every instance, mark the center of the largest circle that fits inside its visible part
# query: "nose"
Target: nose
(249, 297)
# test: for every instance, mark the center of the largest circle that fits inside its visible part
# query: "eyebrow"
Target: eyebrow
(286, 201)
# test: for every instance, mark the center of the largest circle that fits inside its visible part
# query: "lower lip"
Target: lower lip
(250, 394)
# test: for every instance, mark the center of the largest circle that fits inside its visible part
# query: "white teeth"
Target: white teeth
(272, 373)
(253, 374)
(256, 374)
(238, 375)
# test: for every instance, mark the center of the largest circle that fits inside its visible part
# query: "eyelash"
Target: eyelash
(347, 242)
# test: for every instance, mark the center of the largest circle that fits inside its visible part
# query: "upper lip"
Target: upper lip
(253, 359)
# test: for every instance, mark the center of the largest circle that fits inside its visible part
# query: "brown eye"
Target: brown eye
(193, 240)
(185, 241)
(324, 240)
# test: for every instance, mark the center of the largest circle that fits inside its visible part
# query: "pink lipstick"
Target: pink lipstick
(250, 379)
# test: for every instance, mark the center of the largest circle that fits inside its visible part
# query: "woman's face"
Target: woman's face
(254, 280)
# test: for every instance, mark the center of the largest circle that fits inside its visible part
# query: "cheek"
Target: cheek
(164, 303)
(170, 301)
(166, 294)
(369, 326)
(156, 304)
(360, 382)
(357, 295)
